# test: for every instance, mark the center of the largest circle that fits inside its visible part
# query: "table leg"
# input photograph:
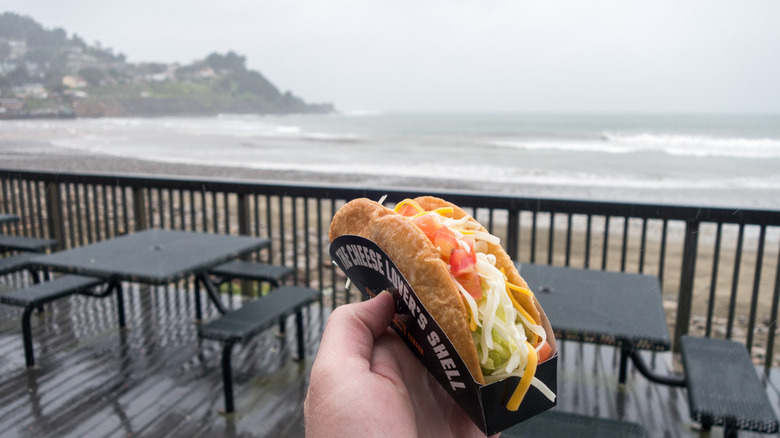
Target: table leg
(198, 311)
(227, 377)
(29, 358)
(120, 303)
(671, 380)
(299, 333)
(212, 291)
(625, 352)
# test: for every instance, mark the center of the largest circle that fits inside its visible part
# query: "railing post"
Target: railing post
(54, 218)
(513, 233)
(245, 229)
(139, 209)
(687, 275)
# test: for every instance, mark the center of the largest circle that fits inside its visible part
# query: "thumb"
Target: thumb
(352, 328)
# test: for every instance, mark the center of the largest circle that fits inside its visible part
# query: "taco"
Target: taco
(466, 281)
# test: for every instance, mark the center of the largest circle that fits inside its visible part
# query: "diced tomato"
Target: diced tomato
(407, 210)
(470, 242)
(472, 283)
(461, 262)
(545, 352)
(428, 223)
(445, 240)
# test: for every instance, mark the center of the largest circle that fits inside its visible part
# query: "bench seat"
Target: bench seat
(723, 387)
(554, 423)
(22, 243)
(15, 263)
(252, 318)
(273, 274)
(39, 294)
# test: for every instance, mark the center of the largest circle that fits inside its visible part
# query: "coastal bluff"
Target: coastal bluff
(45, 73)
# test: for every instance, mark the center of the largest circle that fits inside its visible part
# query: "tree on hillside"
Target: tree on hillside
(16, 78)
(231, 62)
(5, 49)
(15, 26)
(238, 80)
(93, 76)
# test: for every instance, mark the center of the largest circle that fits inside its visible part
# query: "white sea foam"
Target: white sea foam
(670, 144)
(590, 157)
(563, 145)
(702, 145)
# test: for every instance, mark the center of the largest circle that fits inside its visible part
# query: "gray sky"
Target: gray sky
(502, 55)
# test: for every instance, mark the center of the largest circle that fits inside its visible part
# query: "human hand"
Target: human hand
(366, 382)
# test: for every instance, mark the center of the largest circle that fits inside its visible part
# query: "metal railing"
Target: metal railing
(719, 267)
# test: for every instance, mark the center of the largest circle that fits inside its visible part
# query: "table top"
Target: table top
(152, 256)
(601, 307)
(8, 217)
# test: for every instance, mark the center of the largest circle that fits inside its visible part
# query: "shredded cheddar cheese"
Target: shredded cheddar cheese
(520, 289)
(410, 202)
(525, 381)
(442, 211)
(519, 307)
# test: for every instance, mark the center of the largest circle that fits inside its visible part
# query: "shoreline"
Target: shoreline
(37, 154)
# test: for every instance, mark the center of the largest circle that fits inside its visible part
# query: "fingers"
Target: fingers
(346, 348)
(352, 328)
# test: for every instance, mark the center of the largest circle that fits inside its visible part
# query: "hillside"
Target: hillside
(46, 73)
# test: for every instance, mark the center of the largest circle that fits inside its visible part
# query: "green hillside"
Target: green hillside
(46, 73)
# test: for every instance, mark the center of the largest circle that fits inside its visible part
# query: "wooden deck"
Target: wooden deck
(156, 379)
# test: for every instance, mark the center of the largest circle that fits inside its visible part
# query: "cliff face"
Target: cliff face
(46, 72)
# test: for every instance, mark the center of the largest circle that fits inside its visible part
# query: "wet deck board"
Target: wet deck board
(158, 379)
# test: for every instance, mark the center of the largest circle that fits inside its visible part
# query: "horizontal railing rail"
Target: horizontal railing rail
(719, 267)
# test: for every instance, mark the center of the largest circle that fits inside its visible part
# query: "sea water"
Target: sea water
(721, 160)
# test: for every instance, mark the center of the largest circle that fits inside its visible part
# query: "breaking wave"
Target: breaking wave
(671, 144)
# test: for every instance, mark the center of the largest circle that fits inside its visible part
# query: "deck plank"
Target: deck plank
(158, 379)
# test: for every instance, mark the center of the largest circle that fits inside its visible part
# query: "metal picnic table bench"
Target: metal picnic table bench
(25, 249)
(39, 294)
(23, 243)
(554, 424)
(158, 257)
(152, 256)
(723, 387)
(626, 310)
(250, 319)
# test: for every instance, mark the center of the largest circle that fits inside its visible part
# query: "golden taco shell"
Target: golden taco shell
(419, 262)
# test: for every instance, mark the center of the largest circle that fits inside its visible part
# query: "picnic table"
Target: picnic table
(155, 257)
(626, 310)
(601, 307)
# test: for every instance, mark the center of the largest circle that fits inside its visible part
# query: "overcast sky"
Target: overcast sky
(502, 55)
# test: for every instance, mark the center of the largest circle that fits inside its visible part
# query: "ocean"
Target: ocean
(718, 160)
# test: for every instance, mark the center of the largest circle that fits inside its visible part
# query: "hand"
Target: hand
(366, 382)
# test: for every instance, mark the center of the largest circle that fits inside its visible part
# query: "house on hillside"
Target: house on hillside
(11, 106)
